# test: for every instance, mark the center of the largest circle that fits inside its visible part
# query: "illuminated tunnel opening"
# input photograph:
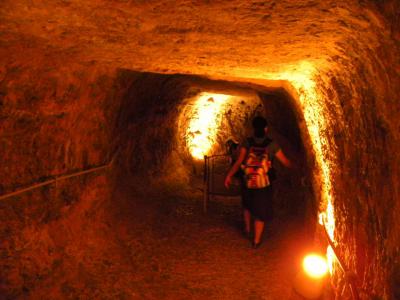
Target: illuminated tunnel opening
(167, 123)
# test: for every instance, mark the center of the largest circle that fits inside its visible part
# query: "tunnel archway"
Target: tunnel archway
(152, 132)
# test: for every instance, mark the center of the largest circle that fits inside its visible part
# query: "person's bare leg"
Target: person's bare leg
(247, 220)
(258, 231)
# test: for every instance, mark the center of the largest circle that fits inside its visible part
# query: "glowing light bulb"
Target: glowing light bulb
(311, 282)
(315, 266)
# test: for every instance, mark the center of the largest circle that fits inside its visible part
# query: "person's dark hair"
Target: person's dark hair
(259, 123)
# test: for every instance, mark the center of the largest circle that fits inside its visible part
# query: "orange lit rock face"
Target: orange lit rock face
(55, 118)
(232, 38)
(59, 95)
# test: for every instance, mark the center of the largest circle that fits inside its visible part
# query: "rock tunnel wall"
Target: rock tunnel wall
(362, 109)
(57, 119)
(54, 121)
(358, 83)
(146, 129)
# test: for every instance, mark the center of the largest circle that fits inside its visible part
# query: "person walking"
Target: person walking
(255, 156)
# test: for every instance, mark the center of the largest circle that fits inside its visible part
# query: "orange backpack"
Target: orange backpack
(257, 165)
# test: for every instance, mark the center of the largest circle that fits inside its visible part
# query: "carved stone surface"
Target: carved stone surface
(63, 83)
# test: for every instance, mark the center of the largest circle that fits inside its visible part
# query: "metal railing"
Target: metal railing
(350, 277)
(55, 180)
(214, 175)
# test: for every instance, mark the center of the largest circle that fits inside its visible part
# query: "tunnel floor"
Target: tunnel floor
(164, 247)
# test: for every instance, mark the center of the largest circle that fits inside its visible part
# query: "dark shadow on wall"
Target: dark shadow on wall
(294, 195)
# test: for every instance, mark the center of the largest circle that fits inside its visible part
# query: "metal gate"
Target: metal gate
(215, 169)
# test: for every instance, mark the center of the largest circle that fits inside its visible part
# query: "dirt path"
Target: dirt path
(164, 247)
(186, 254)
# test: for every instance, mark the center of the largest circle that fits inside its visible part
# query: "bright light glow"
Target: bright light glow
(315, 266)
(327, 219)
(205, 121)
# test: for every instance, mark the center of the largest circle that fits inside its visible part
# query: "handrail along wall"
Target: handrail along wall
(54, 180)
(350, 276)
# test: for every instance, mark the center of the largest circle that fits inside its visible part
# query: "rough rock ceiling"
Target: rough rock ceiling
(237, 38)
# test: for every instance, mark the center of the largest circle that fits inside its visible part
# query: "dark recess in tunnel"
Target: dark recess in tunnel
(152, 151)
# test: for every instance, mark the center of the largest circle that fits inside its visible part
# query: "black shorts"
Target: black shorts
(258, 202)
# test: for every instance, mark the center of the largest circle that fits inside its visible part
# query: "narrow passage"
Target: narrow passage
(164, 247)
